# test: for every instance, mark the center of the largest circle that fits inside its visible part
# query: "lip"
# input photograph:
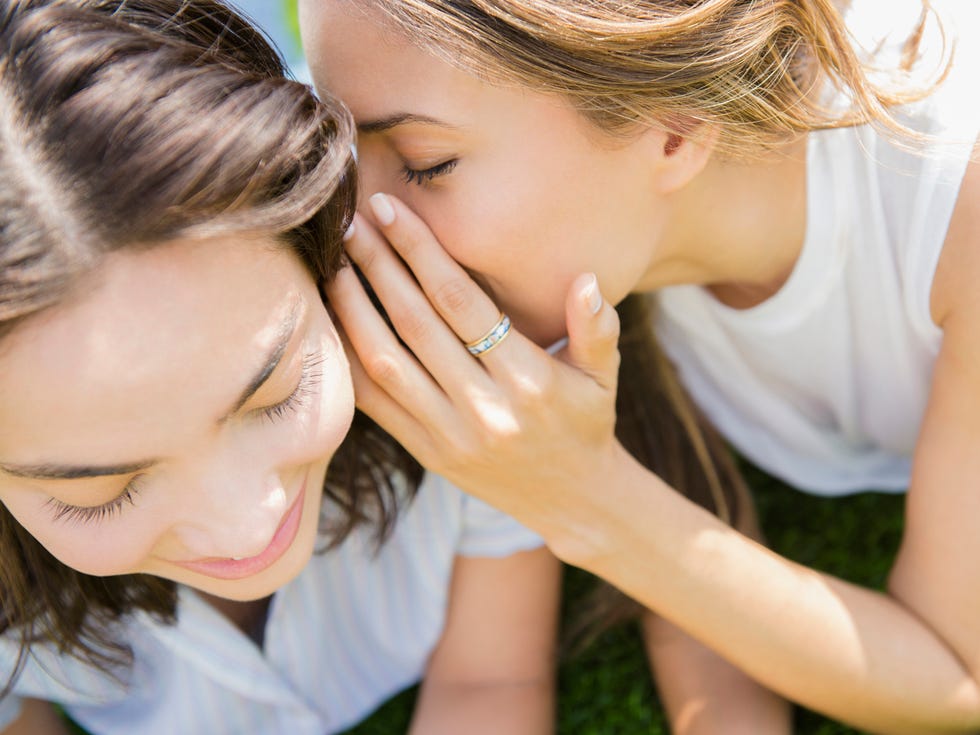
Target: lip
(240, 568)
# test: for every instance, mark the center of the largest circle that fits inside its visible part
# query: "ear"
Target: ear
(678, 157)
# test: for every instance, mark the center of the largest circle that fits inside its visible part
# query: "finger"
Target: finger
(385, 411)
(389, 365)
(435, 345)
(461, 303)
(593, 332)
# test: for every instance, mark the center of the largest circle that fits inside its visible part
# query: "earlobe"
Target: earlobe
(680, 157)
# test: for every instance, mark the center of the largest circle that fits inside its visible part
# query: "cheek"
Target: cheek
(481, 234)
(517, 243)
(115, 546)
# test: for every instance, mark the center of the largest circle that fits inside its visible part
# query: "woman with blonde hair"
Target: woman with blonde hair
(789, 181)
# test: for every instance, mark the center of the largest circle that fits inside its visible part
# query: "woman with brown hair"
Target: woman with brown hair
(793, 185)
(172, 390)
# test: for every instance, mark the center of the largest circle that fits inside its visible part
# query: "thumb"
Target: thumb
(593, 331)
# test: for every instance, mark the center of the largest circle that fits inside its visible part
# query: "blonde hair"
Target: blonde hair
(754, 68)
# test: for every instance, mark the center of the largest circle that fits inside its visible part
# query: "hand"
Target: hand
(516, 427)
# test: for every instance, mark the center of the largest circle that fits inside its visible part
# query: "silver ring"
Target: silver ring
(491, 339)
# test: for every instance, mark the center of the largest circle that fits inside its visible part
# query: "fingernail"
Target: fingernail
(350, 231)
(384, 212)
(593, 296)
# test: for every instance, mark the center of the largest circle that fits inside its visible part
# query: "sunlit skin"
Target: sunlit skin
(530, 181)
(547, 454)
(146, 363)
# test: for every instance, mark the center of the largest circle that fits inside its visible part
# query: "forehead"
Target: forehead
(152, 335)
(359, 55)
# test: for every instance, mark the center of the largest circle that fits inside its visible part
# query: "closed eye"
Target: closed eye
(426, 176)
(308, 383)
(307, 386)
(95, 513)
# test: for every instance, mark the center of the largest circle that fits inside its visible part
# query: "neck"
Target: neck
(248, 616)
(738, 228)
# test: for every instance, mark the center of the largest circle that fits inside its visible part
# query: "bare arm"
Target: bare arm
(38, 717)
(701, 692)
(493, 669)
(533, 436)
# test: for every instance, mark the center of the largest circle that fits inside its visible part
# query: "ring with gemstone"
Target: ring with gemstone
(491, 339)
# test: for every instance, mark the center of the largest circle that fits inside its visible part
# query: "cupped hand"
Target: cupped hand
(517, 427)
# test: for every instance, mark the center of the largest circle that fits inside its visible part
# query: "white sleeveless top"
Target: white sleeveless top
(824, 384)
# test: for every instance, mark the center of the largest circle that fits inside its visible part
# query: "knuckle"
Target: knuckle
(460, 454)
(612, 329)
(615, 361)
(365, 257)
(384, 370)
(529, 389)
(410, 242)
(414, 327)
(454, 296)
(500, 437)
(499, 425)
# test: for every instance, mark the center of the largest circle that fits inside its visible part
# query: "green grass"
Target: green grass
(606, 690)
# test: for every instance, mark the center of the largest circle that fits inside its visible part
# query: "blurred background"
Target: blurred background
(278, 19)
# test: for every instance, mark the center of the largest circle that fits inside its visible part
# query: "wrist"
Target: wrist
(593, 523)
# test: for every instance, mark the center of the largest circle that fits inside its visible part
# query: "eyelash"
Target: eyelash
(307, 385)
(94, 514)
(421, 178)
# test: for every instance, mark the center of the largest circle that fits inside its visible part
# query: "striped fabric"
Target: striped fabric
(352, 629)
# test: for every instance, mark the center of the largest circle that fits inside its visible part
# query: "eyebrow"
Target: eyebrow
(47, 471)
(401, 118)
(64, 472)
(283, 336)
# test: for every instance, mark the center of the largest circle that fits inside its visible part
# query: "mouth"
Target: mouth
(283, 538)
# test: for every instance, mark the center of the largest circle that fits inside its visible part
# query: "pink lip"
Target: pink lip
(241, 568)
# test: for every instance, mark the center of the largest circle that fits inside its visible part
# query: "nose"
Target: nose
(232, 518)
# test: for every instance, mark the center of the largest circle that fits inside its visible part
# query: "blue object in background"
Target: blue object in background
(273, 17)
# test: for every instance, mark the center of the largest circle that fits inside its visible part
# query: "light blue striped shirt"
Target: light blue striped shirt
(352, 629)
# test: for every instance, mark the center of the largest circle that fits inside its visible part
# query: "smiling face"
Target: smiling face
(518, 186)
(176, 417)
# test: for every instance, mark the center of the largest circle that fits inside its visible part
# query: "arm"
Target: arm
(37, 717)
(493, 668)
(534, 437)
(701, 692)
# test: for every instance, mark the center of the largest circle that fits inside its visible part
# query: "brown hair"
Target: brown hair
(756, 70)
(132, 123)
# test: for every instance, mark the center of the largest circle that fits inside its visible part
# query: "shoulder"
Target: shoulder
(955, 293)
